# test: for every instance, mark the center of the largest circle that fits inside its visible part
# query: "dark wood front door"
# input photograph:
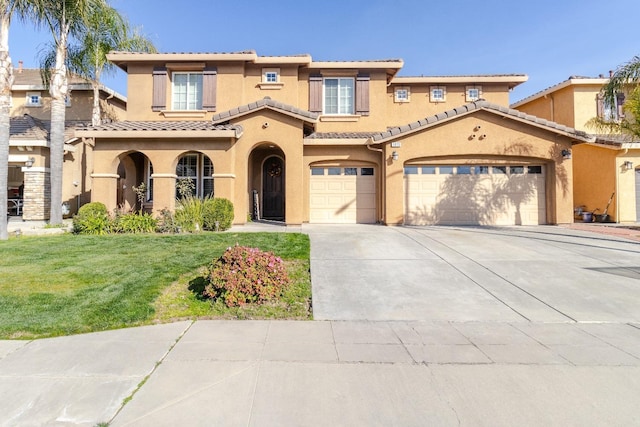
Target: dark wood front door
(273, 189)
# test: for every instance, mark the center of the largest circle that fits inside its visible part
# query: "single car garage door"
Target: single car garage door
(342, 195)
(474, 195)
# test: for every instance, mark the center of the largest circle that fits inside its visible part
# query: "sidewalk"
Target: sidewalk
(288, 373)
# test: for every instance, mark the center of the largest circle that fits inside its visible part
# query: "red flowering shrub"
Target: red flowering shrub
(245, 275)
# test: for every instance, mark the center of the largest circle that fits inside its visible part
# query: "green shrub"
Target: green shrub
(217, 210)
(166, 222)
(91, 218)
(188, 214)
(245, 275)
(136, 223)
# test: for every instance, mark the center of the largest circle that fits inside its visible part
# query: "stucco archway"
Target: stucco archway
(267, 182)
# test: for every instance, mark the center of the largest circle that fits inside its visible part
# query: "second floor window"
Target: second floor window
(339, 96)
(34, 99)
(611, 112)
(187, 91)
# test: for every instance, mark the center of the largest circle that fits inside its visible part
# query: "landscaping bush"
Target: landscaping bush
(166, 222)
(91, 218)
(217, 209)
(244, 275)
(136, 223)
(188, 214)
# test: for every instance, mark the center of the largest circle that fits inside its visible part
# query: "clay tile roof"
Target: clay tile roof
(615, 140)
(163, 125)
(28, 128)
(480, 105)
(268, 103)
(32, 77)
(340, 135)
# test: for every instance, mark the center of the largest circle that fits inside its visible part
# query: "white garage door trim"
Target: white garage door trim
(474, 195)
(342, 195)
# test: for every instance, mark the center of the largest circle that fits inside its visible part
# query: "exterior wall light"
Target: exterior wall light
(627, 165)
(566, 154)
(394, 156)
(30, 161)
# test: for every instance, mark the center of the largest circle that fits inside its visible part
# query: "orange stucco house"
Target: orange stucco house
(609, 165)
(290, 139)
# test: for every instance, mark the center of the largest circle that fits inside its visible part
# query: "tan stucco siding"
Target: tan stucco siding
(585, 107)
(506, 142)
(80, 109)
(626, 200)
(594, 178)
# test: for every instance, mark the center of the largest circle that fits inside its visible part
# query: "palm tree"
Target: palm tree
(24, 9)
(626, 78)
(106, 30)
(65, 19)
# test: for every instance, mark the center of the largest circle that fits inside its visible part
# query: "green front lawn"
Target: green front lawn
(67, 284)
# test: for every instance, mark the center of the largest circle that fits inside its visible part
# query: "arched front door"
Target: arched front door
(273, 189)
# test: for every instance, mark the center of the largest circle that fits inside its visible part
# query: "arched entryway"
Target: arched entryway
(134, 176)
(273, 188)
(267, 182)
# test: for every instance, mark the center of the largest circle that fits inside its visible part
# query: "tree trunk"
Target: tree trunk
(58, 91)
(6, 81)
(96, 119)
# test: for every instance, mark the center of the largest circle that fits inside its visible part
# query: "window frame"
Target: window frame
(199, 98)
(30, 95)
(398, 90)
(339, 96)
(469, 97)
(199, 176)
(437, 99)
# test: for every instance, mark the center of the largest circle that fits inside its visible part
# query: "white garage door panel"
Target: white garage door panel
(342, 198)
(488, 198)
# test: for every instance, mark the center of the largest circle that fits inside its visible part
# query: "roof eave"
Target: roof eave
(149, 134)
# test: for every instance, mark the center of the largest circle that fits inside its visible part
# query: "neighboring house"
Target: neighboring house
(28, 183)
(608, 166)
(290, 139)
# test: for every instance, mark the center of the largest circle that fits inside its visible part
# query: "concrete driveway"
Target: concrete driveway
(510, 274)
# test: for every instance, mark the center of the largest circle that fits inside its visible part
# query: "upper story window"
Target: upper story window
(473, 93)
(34, 99)
(438, 94)
(339, 95)
(187, 91)
(401, 94)
(611, 112)
(270, 75)
(343, 98)
(193, 90)
(271, 79)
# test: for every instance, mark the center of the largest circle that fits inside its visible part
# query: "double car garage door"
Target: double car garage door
(474, 195)
(434, 194)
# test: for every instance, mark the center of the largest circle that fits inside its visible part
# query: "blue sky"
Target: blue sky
(547, 40)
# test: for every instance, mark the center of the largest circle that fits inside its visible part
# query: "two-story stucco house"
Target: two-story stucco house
(608, 166)
(28, 179)
(291, 139)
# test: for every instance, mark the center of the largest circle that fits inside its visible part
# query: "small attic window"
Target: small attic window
(271, 79)
(473, 93)
(438, 94)
(401, 94)
(34, 99)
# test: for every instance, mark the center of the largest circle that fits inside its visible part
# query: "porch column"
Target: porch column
(37, 193)
(104, 189)
(164, 192)
(224, 184)
(294, 185)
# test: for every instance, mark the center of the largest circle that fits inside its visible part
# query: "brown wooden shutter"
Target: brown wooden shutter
(159, 101)
(362, 94)
(600, 106)
(209, 88)
(315, 93)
